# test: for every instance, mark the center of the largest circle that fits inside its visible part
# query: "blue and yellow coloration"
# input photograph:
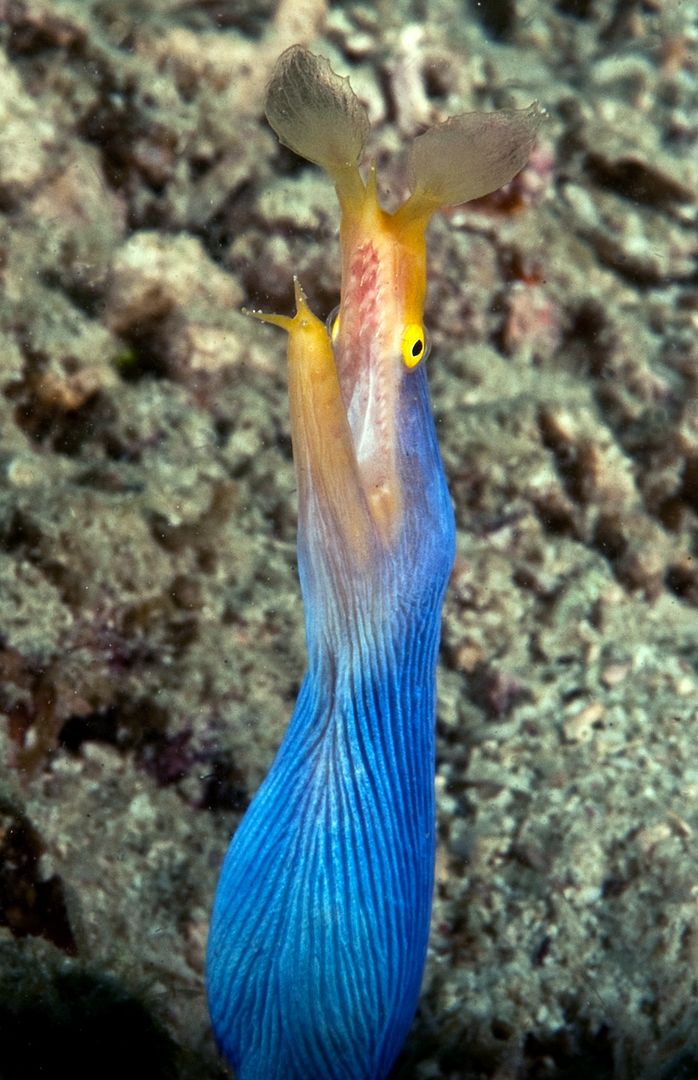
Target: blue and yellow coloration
(320, 924)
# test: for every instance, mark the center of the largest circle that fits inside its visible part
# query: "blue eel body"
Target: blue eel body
(320, 924)
(323, 904)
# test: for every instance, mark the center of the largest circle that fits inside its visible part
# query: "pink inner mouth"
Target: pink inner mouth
(364, 366)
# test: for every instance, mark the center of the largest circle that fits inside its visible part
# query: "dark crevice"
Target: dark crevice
(147, 351)
(225, 787)
(498, 17)
(637, 181)
(30, 906)
(77, 1024)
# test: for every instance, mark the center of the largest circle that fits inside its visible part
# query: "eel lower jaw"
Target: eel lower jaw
(343, 405)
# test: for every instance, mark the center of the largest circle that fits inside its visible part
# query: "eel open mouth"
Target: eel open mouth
(344, 390)
(369, 370)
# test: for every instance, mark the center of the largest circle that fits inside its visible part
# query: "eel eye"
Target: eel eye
(414, 346)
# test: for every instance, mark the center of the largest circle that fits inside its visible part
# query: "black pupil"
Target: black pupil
(417, 348)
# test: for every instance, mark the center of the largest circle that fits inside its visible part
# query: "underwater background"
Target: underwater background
(151, 635)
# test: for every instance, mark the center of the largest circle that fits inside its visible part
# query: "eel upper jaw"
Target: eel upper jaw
(383, 285)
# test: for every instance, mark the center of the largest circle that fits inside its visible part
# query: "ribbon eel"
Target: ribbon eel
(321, 918)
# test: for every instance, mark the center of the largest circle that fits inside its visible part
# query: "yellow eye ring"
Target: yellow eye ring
(414, 344)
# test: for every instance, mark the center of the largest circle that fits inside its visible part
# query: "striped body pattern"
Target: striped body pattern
(320, 923)
(328, 880)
